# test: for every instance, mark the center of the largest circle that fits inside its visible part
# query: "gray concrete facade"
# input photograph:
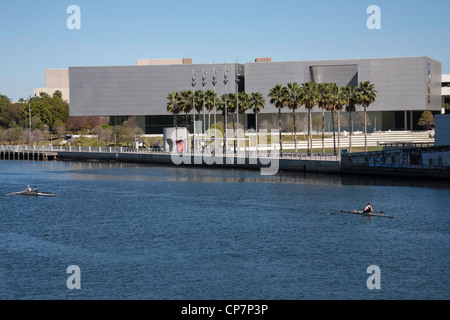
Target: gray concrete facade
(140, 90)
(402, 83)
(406, 87)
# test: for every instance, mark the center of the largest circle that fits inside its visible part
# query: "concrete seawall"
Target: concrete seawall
(275, 164)
(432, 162)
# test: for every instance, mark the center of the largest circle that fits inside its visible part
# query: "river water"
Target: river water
(173, 233)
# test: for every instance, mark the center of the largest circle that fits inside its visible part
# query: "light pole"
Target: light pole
(237, 107)
(193, 103)
(225, 81)
(29, 115)
(203, 91)
(214, 82)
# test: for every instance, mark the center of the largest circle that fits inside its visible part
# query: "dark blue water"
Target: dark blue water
(140, 232)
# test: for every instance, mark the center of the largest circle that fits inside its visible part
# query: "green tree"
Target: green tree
(227, 105)
(294, 101)
(15, 134)
(367, 96)
(324, 103)
(352, 99)
(278, 97)
(258, 102)
(174, 106)
(210, 98)
(334, 105)
(187, 103)
(198, 97)
(244, 103)
(310, 100)
(426, 120)
(130, 130)
(317, 123)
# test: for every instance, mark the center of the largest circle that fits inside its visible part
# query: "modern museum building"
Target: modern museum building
(406, 87)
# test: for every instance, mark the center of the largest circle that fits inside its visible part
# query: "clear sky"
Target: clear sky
(34, 35)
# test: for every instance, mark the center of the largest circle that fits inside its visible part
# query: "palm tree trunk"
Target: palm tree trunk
(365, 129)
(323, 131)
(339, 131)
(334, 131)
(279, 128)
(256, 125)
(234, 132)
(351, 132)
(295, 133)
(309, 132)
(176, 133)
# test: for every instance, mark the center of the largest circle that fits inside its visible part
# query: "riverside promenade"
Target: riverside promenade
(269, 162)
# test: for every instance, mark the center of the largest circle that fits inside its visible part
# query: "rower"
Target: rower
(28, 189)
(368, 208)
(36, 190)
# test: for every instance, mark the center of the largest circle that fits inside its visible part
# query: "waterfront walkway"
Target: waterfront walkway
(269, 162)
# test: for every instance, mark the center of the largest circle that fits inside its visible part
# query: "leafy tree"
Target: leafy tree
(362, 120)
(128, 131)
(105, 133)
(59, 127)
(426, 120)
(37, 136)
(15, 135)
(317, 123)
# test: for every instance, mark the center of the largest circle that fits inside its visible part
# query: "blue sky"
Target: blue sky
(34, 35)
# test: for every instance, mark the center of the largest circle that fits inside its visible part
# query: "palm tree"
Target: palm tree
(232, 108)
(209, 104)
(198, 98)
(324, 104)
(244, 103)
(258, 102)
(243, 106)
(227, 104)
(367, 95)
(278, 97)
(174, 106)
(186, 97)
(310, 100)
(295, 96)
(337, 101)
(341, 102)
(352, 99)
(333, 95)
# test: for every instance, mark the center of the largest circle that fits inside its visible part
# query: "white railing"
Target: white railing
(240, 154)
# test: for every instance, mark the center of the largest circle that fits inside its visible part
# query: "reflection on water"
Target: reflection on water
(142, 172)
